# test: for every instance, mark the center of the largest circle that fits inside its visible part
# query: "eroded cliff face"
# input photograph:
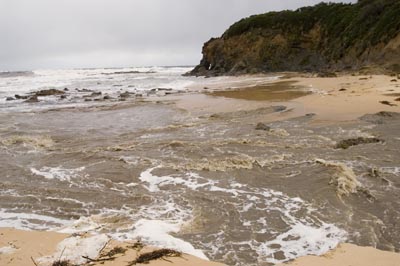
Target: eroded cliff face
(326, 37)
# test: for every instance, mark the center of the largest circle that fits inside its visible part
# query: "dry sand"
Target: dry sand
(349, 97)
(343, 98)
(17, 247)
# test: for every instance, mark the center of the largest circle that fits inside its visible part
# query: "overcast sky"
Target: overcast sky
(37, 34)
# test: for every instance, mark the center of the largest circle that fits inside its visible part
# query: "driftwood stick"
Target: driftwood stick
(97, 260)
(34, 262)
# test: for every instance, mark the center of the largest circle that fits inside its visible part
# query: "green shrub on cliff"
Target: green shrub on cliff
(326, 36)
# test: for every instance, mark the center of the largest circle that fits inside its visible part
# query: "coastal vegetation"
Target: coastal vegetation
(327, 36)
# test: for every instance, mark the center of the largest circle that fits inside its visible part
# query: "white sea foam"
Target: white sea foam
(75, 247)
(30, 221)
(7, 250)
(300, 240)
(391, 170)
(157, 233)
(190, 180)
(305, 236)
(58, 173)
(159, 223)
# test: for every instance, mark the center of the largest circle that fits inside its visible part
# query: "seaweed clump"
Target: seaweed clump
(145, 258)
(62, 263)
(115, 251)
(345, 144)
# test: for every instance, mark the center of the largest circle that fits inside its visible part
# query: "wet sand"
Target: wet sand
(348, 254)
(281, 91)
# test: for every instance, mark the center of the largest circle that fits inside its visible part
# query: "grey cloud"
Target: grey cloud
(104, 33)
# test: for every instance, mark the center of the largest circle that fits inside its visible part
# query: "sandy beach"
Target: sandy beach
(342, 98)
(18, 247)
(348, 254)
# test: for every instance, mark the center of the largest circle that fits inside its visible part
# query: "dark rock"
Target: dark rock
(19, 97)
(397, 99)
(96, 93)
(48, 92)
(63, 97)
(262, 126)
(32, 99)
(344, 144)
(10, 99)
(66, 89)
(205, 88)
(125, 95)
(381, 117)
(393, 80)
(279, 108)
(107, 97)
(88, 100)
(342, 90)
(327, 75)
(387, 103)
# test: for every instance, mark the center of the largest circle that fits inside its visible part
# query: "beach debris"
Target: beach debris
(387, 103)
(393, 80)
(262, 126)
(397, 99)
(343, 89)
(164, 253)
(10, 99)
(346, 143)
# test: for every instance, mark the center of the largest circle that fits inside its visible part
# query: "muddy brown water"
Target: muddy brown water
(277, 91)
(247, 197)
